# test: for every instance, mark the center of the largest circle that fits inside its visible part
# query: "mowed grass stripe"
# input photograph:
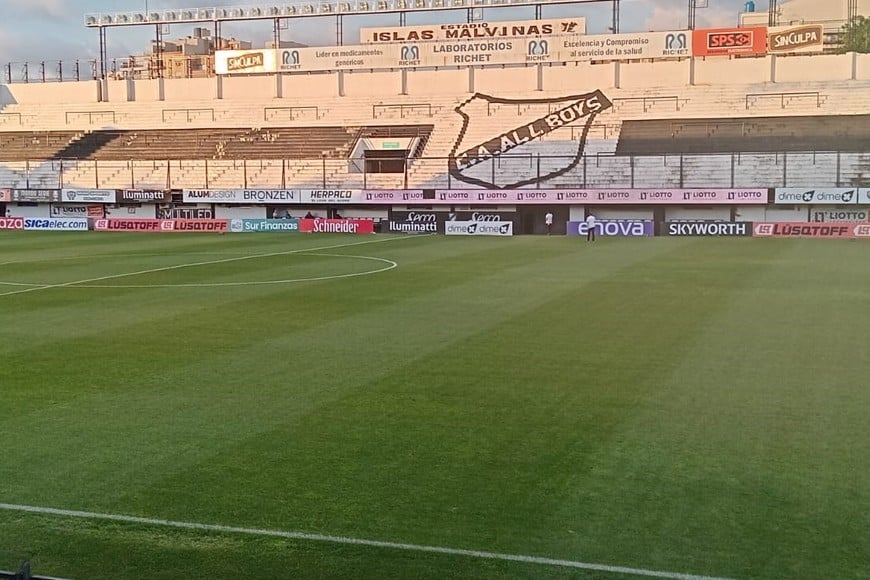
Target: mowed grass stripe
(233, 382)
(749, 450)
(483, 429)
(481, 440)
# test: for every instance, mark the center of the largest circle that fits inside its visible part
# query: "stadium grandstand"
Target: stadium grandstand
(550, 124)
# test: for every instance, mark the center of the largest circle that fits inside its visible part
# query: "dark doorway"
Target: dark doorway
(531, 218)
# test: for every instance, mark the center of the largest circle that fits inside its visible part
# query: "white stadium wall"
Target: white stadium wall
(180, 90)
(567, 78)
(248, 88)
(581, 75)
(448, 81)
(148, 90)
(372, 84)
(633, 75)
(310, 85)
(740, 71)
(54, 93)
(509, 80)
(817, 67)
(862, 66)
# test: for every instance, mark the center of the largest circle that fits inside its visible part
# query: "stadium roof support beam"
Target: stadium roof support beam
(306, 9)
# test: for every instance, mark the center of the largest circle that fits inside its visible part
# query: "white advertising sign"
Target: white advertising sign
(840, 215)
(816, 195)
(331, 196)
(478, 228)
(561, 48)
(241, 196)
(88, 195)
(473, 30)
(56, 225)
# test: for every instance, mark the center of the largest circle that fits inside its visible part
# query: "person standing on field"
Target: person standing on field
(590, 228)
(548, 220)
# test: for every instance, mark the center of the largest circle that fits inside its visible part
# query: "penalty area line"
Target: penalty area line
(305, 536)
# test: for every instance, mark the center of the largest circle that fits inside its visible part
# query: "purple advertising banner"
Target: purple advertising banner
(614, 228)
(602, 196)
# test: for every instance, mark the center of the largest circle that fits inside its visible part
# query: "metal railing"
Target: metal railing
(785, 98)
(404, 110)
(188, 114)
(729, 170)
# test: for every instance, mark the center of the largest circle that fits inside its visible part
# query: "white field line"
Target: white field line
(355, 542)
(194, 264)
(390, 265)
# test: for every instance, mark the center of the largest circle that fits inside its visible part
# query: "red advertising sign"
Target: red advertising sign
(810, 230)
(13, 223)
(325, 226)
(96, 211)
(730, 41)
(201, 225)
(154, 225)
(132, 225)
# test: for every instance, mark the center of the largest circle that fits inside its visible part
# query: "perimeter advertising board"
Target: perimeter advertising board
(330, 226)
(397, 196)
(35, 195)
(240, 196)
(264, 226)
(331, 196)
(475, 228)
(816, 195)
(457, 52)
(614, 228)
(857, 215)
(144, 196)
(12, 223)
(707, 229)
(605, 196)
(730, 41)
(415, 222)
(88, 195)
(810, 230)
(475, 30)
(133, 225)
(56, 224)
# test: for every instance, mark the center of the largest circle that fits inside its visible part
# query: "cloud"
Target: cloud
(40, 8)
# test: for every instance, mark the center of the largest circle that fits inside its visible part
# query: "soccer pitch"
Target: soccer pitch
(532, 407)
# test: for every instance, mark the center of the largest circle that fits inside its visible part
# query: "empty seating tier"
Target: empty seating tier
(174, 144)
(745, 134)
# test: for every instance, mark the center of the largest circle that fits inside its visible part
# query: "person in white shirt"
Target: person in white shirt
(590, 228)
(548, 220)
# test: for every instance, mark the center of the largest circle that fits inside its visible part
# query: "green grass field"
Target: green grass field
(679, 406)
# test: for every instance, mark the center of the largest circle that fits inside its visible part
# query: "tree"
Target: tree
(856, 35)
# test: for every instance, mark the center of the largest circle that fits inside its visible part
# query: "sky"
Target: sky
(52, 30)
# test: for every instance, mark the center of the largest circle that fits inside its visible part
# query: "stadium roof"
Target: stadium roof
(300, 9)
